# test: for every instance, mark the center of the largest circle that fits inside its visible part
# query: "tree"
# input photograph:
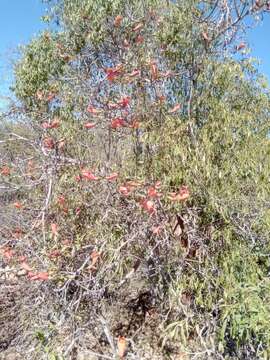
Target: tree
(143, 157)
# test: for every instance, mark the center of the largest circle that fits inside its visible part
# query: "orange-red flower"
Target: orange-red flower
(148, 206)
(8, 253)
(18, 205)
(135, 124)
(54, 229)
(124, 102)
(26, 266)
(5, 171)
(89, 175)
(124, 190)
(174, 109)
(61, 200)
(154, 70)
(241, 46)
(49, 143)
(156, 229)
(51, 125)
(122, 346)
(139, 39)
(93, 111)
(182, 195)
(54, 254)
(43, 276)
(138, 27)
(152, 192)
(113, 73)
(89, 125)
(118, 20)
(117, 123)
(112, 176)
(134, 73)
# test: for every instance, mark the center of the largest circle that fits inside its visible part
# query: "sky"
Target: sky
(21, 19)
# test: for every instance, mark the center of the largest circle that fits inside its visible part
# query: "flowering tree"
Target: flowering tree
(134, 168)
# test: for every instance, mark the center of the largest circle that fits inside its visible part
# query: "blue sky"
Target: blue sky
(20, 20)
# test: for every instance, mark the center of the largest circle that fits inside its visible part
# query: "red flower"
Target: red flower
(54, 229)
(182, 195)
(8, 253)
(48, 143)
(241, 46)
(156, 229)
(50, 97)
(89, 125)
(124, 102)
(61, 200)
(18, 205)
(139, 39)
(148, 206)
(113, 106)
(5, 171)
(113, 176)
(118, 20)
(113, 73)
(54, 254)
(26, 267)
(152, 192)
(88, 175)
(154, 70)
(135, 124)
(138, 27)
(124, 190)
(117, 123)
(174, 109)
(134, 73)
(52, 125)
(39, 276)
(93, 110)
